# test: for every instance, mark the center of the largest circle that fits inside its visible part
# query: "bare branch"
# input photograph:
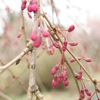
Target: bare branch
(28, 48)
(5, 96)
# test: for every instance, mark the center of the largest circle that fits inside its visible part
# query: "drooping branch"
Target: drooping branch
(5, 96)
(18, 58)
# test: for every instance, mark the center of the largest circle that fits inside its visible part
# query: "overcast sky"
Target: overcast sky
(90, 6)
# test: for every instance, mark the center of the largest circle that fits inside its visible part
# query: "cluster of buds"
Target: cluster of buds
(39, 33)
(31, 7)
(87, 92)
(60, 74)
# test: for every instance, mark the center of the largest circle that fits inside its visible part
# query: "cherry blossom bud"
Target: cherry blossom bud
(57, 45)
(33, 35)
(66, 83)
(64, 74)
(87, 92)
(73, 43)
(50, 51)
(56, 77)
(72, 60)
(54, 83)
(60, 79)
(53, 71)
(71, 28)
(82, 95)
(64, 47)
(35, 7)
(44, 33)
(19, 34)
(29, 8)
(24, 1)
(79, 76)
(88, 59)
(64, 68)
(23, 6)
(37, 42)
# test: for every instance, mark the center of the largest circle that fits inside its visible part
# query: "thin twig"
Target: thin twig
(23, 27)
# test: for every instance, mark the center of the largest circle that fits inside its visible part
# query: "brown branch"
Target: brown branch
(33, 88)
(5, 96)
(71, 69)
(19, 57)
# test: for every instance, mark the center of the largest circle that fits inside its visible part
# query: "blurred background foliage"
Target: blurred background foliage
(14, 80)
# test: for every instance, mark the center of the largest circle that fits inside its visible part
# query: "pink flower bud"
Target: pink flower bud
(56, 77)
(64, 68)
(35, 7)
(71, 28)
(29, 8)
(73, 43)
(79, 76)
(82, 91)
(33, 36)
(66, 83)
(88, 59)
(57, 66)
(23, 6)
(57, 45)
(64, 47)
(37, 42)
(88, 93)
(53, 71)
(19, 34)
(24, 1)
(64, 74)
(82, 95)
(50, 51)
(45, 33)
(60, 79)
(54, 83)
(72, 60)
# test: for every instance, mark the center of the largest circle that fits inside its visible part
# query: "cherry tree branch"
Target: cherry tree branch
(33, 88)
(18, 58)
(5, 96)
